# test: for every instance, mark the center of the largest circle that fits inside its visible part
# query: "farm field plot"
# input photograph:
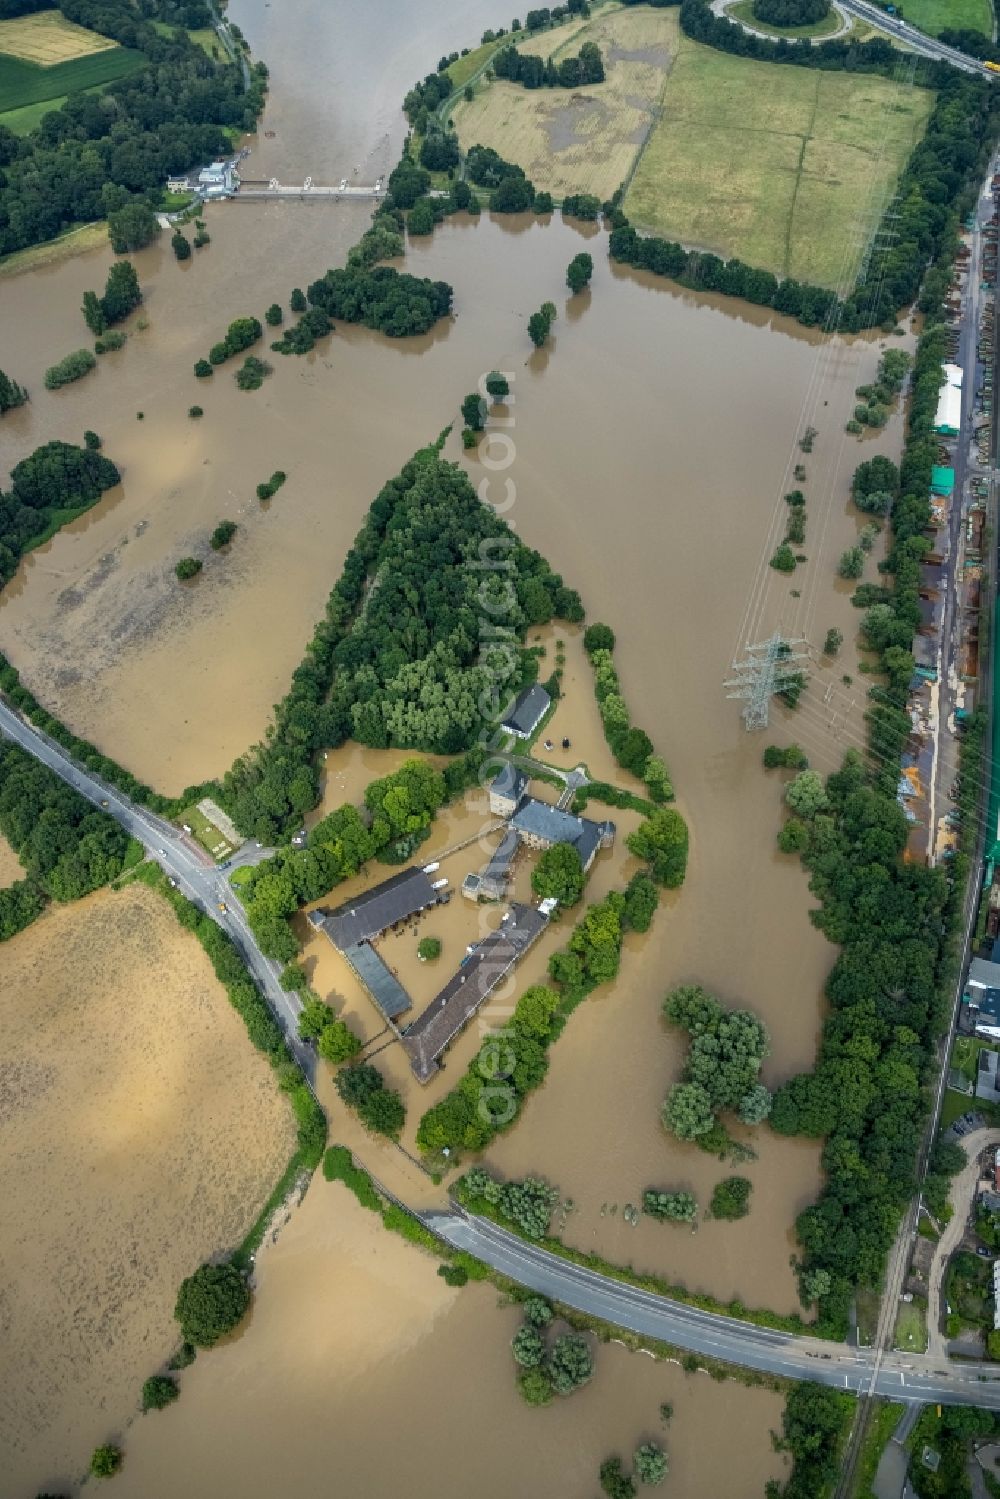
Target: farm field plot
(771, 164)
(47, 37)
(935, 16)
(580, 140)
(10, 865)
(24, 83)
(141, 1134)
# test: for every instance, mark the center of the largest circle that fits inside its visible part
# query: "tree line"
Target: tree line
(950, 157)
(895, 922)
(98, 151)
(536, 72)
(66, 846)
(791, 12)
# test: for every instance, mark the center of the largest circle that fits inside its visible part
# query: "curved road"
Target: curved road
(917, 1378)
(916, 41)
(200, 881)
(901, 1376)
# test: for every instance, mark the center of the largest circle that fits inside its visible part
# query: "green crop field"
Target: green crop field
(773, 165)
(935, 16)
(23, 83)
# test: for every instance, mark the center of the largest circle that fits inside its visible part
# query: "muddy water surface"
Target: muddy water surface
(141, 1134)
(362, 1373)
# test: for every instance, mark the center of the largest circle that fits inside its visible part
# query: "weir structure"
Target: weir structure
(769, 668)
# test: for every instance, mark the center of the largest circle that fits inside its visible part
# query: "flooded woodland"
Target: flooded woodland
(652, 441)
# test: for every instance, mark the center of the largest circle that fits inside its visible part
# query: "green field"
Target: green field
(911, 1327)
(205, 38)
(935, 16)
(743, 11)
(24, 83)
(210, 837)
(772, 164)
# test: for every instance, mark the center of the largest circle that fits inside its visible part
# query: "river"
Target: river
(653, 440)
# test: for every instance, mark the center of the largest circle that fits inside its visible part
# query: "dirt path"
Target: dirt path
(960, 1196)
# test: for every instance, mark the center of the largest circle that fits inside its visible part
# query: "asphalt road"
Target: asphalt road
(900, 1376)
(916, 41)
(907, 1377)
(199, 879)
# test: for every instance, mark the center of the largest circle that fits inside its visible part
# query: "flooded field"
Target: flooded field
(141, 1134)
(10, 864)
(381, 1380)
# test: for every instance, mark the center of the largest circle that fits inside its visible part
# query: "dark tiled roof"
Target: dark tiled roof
(557, 826)
(503, 857)
(510, 782)
(383, 986)
(529, 708)
(433, 1031)
(379, 908)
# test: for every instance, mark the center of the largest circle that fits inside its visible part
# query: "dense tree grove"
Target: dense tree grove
(87, 159)
(411, 670)
(579, 271)
(242, 333)
(45, 489)
(791, 12)
(386, 299)
(362, 1087)
(537, 72)
(813, 1424)
(210, 1303)
(950, 157)
(122, 294)
(670, 1207)
(631, 747)
(528, 1204)
(11, 394)
(66, 847)
(721, 1070)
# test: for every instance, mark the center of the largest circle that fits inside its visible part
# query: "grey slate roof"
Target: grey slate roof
(510, 782)
(530, 707)
(557, 826)
(503, 857)
(433, 1031)
(379, 908)
(383, 986)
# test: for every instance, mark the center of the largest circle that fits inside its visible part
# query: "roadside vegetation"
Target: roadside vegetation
(66, 846)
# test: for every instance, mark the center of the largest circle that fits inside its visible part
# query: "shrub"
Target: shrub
(453, 1275)
(159, 1391)
(180, 246)
(670, 1207)
(535, 1386)
(598, 637)
(271, 486)
(297, 301)
(252, 373)
(210, 1303)
(429, 948)
(188, 567)
(203, 369)
(834, 640)
(274, 316)
(783, 560)
(195, 411)
(528, 1347)
(570, 1363)
(537, 1311)
(650, 1463)
(91, 440)
(106, 1460)
(852, 563)
(223, 534)
(731, 1198)
(497, 386)
(73, 367)
(615, 1482)
(110, 341)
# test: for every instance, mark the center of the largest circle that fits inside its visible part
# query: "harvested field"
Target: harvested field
(10, 864)
(771, 164)
(141, 1134)
(47, 37)
(587, 139)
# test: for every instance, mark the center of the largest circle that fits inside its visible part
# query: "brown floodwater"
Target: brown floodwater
(652, 441)
(141, 1134)
(362, 1373)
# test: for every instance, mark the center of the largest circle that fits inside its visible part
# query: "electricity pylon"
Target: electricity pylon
(769, 668)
